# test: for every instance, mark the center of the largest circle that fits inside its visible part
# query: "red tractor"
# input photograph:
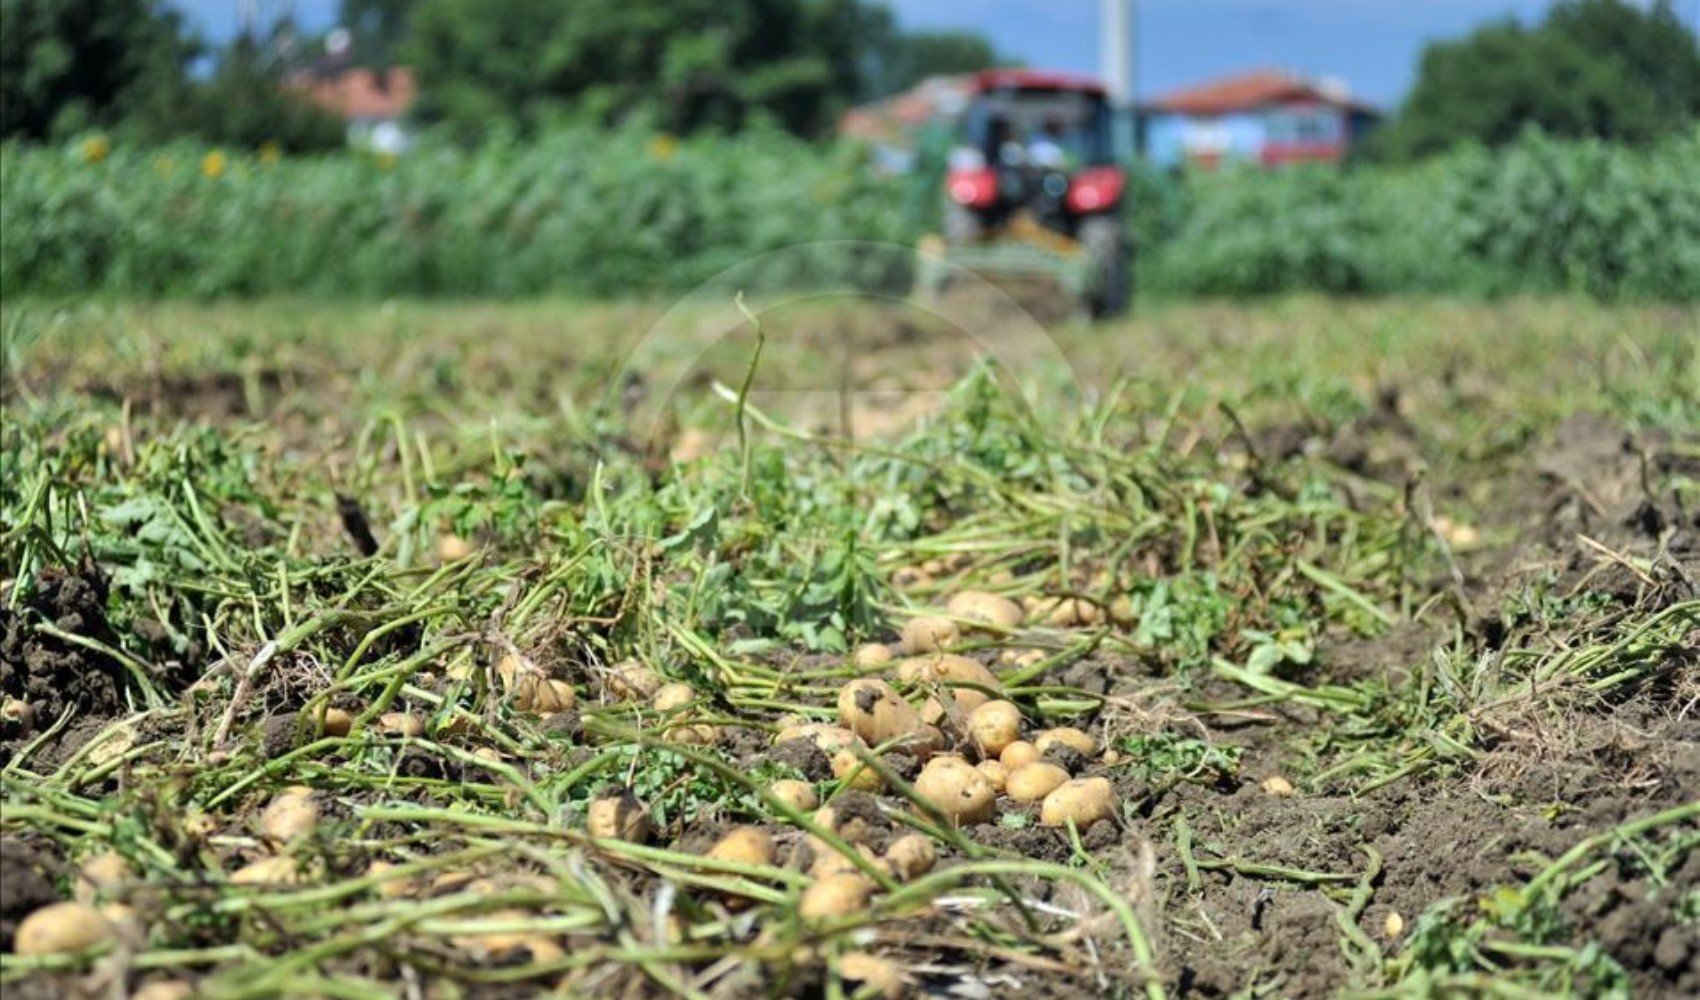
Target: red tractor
(1033, 188)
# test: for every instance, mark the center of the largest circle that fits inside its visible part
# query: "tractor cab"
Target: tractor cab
(1033, 186)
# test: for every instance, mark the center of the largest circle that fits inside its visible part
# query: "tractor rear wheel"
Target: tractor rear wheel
(1106, 248)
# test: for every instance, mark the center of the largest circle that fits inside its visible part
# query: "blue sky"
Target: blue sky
(1371, 44)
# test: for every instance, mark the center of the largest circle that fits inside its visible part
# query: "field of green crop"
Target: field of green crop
(453, 649)
(590, 213)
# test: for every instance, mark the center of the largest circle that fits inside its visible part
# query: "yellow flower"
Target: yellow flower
(270, 151)
(663, 147)
(95, 148)
(213, 164)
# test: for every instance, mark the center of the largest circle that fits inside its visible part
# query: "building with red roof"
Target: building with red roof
(1266, 117)
(374, 103)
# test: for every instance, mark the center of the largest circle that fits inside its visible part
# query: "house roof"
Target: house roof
(1033, 79)
(1249, 91)
(358, 93)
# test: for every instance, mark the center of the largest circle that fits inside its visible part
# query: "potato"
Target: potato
(1083, 800)
(453, 548)
(267, 871)
(672, 697)
(995, 773)
(880, 975)
(1032, 782)
(1279, 787)
(835, 897)
(1021, 659)
(1066, 736)
(334, 721)
(872, 656)
(956, 789)
(872, 710)
(632, 680)
(393, 888)
(104, 876)
(619, 817)
(967, 680)
(61, 927)
(828, 861)
(928, 634)
(850, 769)
(825, 736)
(401, 724)
(165, 989)
(532, 692)
(17, 715)
(1392, 925)
(1069, 612)
(911, 856)
(700, 735)
(1018, 753)
(800, 795)
(910, 577)
(745, 845)
(993, 726)
(1001, 613)
(291, 814)
(1122, 612)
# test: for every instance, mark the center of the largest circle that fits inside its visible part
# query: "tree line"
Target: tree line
(1589, 68)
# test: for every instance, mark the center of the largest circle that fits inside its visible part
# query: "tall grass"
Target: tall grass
(614, 213)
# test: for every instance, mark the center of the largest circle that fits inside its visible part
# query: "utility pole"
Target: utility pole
(1115, 64)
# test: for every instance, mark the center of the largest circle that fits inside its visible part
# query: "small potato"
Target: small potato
(391, 888)
(872, 656)
(671, 697)
(700, 735)
(1122, 612)
(17, 716)
(1068, 612)
(928, 634)
(267, 871)
(800, 795)
(632, 680)
(535, 693)
(61, 927)
(1083, 800)
(828, 861)
(745, 845)
(957, 790)
(401, 724)
(995, 773)
(850, 769)
(104, 876)
(1066, 736)
(871, 709)
(835, 897)
(1032, 782)
(826, 737)
(1279, 787)
(291, 814)
(911, 856)
(1018, 753)
(994, 726)
(1001, 613)
(969, 681)
(338, 722)
(619, 817)
(880, 975)
(165, 989)
(1392, 925)
(453, 548)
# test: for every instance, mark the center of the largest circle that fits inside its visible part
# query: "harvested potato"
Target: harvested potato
(800, 795)
(995, 773)
(1068, 612)
(1066, 736)
(829, 861)
(928, 634)
(633, 680)
(672, 697)
(1279, 787)
(1032, 782)
(1122, 612)
(835, 897)
(1001, 613)
(850, 769)
(291, 814)
(699, 734)
(968, 681)
(911, 856)
(1018, 753)
(61, 927)
(871, 709)
(956, 789)
(1084, 801)
(533, 692)
(826, 737)
(910, 577)
(880, 975)
(392, 888)
(401, 724)
(104, 876)
(873, 655)
(17, 716)
(745, 845)
(994, 726)
(165, 989)
(1392, 925)
(618, 817)
(267, 871)
(1021, 659)
(334, 721)
(453, 548)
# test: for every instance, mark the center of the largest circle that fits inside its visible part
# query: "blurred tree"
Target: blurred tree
(377, 30)
(1603, 68)
(921, 54)
(67, 65)
(245, 101)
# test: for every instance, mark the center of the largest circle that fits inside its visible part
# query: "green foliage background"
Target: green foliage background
(602, 213)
